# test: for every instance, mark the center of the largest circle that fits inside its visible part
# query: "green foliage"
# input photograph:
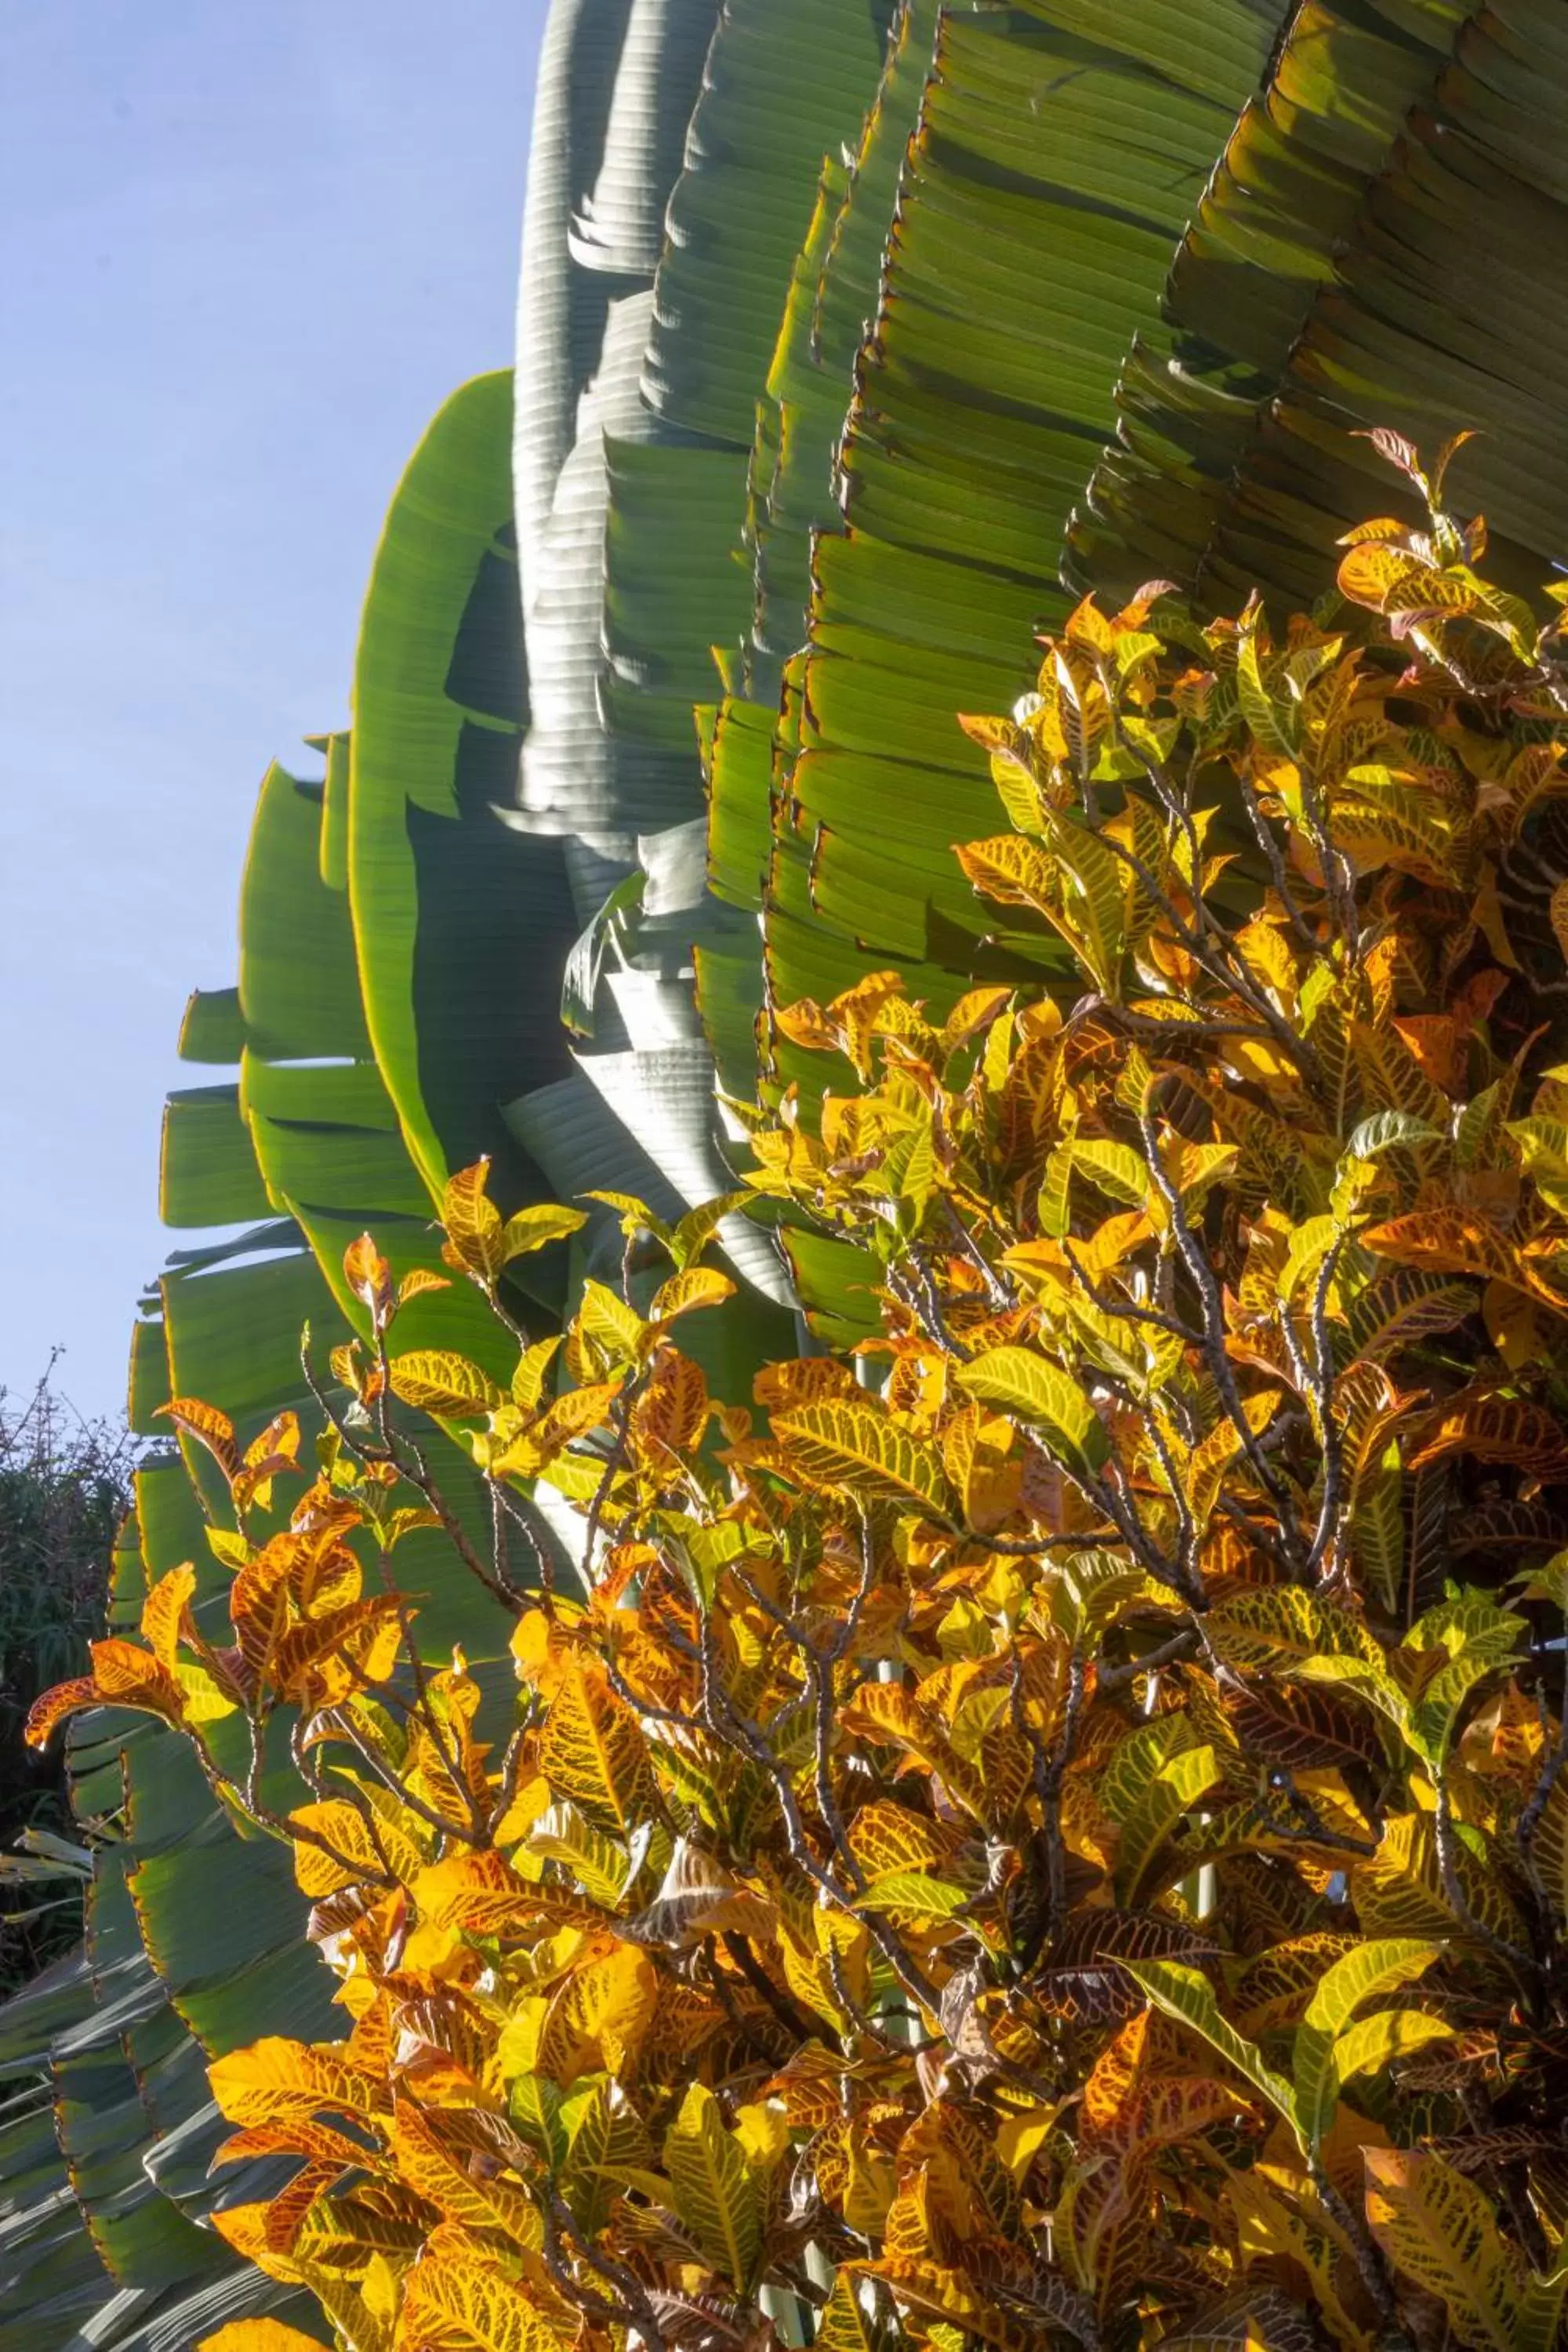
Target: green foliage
(65, 1486)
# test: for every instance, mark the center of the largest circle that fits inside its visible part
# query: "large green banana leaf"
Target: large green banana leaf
(792, 503)
(618, 81)
(1060, 153)
(1057, 156)
(831, 302)
(640, 574)
(457, 921)
(1393, 262)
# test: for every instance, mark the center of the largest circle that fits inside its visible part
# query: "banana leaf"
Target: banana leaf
(1058, 155)
(1376, 248)
(676, 452)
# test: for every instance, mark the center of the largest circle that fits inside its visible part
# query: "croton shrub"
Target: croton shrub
(1047, 1825)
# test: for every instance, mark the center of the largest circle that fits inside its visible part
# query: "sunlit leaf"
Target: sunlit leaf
(1439, 2227)
(852, 1447)
(718, 2199)
(434, 1380)
(1017, 1381)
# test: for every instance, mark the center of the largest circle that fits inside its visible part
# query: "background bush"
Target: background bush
(65, 1485)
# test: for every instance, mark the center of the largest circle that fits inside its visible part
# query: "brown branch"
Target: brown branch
(794, 2021)
(1276, 857)
(1111, 1679)
(728, 1725)
(1330, 1435)
(342, 1727)
(1196, 1261)
(634, 2310)
(1049, 1770)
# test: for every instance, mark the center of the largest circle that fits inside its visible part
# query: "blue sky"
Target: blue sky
(246, 252)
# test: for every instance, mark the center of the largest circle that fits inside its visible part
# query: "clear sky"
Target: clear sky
(245, 252)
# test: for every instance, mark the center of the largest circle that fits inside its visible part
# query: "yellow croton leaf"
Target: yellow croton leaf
(258, 2335)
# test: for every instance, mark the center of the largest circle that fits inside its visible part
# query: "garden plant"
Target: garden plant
(1045, 1824)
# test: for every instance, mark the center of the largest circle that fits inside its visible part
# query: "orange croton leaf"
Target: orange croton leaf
(209, 1426)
